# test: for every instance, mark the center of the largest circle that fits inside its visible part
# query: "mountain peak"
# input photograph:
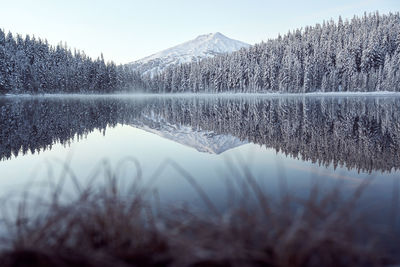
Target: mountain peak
(203, 46)
(217, 35)
(211, 35)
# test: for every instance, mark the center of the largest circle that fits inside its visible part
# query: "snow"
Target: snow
(204, 46)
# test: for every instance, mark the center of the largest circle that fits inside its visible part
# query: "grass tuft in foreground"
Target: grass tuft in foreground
(106, 225)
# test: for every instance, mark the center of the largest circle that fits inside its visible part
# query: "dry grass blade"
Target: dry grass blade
(110, 224)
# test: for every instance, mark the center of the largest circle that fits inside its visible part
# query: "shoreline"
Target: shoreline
(225, 94)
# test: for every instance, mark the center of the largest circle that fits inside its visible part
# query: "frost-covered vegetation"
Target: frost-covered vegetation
(114, 225)
(362, 54)
(30, 65)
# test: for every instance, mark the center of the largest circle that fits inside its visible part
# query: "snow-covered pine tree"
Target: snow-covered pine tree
(348, 55)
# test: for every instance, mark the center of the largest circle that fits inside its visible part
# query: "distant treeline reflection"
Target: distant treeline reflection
(360, 133)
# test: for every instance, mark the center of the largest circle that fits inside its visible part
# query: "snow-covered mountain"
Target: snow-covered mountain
(203, 46)
(202, 141)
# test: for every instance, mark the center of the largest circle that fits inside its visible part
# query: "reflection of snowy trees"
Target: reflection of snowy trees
(361, 133)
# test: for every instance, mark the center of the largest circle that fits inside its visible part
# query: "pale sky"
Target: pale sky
(126, 30)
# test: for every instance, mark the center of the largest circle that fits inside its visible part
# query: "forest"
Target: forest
(361, 54)
(32, 66)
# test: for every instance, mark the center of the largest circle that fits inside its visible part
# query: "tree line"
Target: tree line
(30, 65)
(361, 54)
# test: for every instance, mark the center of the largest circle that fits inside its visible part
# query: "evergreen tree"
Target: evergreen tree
(357, 55)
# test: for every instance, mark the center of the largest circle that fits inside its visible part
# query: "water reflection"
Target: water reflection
(360, 133)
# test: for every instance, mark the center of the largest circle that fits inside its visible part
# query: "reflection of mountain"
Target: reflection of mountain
(202, 141)
(360, 133)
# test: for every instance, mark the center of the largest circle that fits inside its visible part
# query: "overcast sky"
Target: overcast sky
(126, 30)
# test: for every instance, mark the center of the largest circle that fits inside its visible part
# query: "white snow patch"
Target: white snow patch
(204, 46)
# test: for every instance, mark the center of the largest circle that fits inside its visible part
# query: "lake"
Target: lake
(290, 142)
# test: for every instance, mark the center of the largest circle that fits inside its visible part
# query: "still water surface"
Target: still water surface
(327, 140)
